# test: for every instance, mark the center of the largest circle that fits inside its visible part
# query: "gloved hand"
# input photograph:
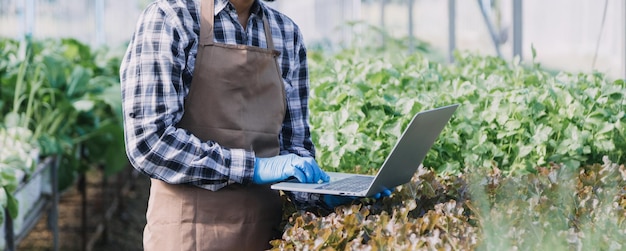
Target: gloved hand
(282, 167)
(336, 200)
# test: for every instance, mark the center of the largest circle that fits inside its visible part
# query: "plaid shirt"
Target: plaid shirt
(156, 74)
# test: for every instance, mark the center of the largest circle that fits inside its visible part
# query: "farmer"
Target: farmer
(215, 102)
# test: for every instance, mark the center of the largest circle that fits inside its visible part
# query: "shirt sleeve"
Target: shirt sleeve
(296, 134)
(154, 81)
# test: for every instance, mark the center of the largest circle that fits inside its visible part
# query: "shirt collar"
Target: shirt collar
(222, 4)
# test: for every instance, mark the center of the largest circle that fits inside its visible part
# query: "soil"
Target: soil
(123, 231)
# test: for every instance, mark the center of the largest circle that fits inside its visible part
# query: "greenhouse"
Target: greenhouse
(130, 125)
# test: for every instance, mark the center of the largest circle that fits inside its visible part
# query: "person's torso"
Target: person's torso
(241, 86)
(227, 30)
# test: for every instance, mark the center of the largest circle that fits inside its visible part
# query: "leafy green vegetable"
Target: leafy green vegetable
(511, 116)
(68, 94)
(18, 160)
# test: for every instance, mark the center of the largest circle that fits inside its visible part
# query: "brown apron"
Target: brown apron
(237, 99)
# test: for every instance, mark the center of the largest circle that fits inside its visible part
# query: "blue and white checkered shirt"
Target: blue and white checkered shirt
(156, 73)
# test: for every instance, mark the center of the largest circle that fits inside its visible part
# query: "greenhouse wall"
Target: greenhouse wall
(565, 33)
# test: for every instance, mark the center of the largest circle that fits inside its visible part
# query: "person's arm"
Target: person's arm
(155, 80)
(296, 135)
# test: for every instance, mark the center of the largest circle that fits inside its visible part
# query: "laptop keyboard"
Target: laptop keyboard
(351, 184)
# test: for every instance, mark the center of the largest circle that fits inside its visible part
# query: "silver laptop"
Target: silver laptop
(399, 167)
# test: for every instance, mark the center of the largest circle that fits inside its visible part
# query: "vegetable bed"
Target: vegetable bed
(512, 116)
(531, 160)
(558, 208)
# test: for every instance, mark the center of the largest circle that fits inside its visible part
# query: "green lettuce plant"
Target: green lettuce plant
(511, 116)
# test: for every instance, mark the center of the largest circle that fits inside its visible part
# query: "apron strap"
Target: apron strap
(268, 33)
(207, 16)
(207, 21)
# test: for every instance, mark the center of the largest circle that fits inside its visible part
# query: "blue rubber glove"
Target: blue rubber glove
(336, 200)
(282, 167)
